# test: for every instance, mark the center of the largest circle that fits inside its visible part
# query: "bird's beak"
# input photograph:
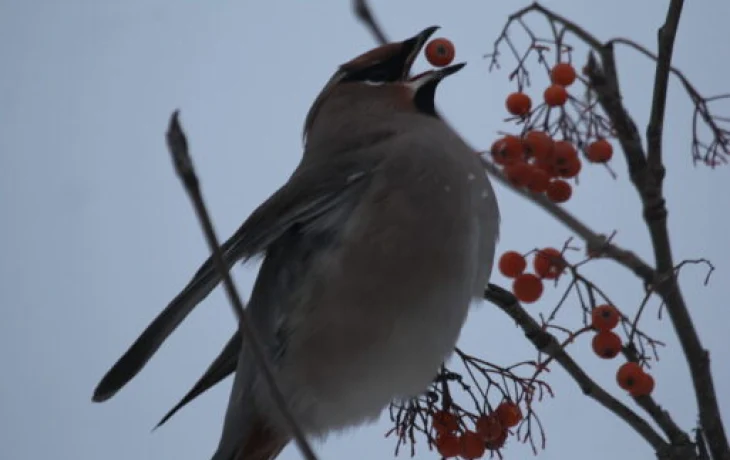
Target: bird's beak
(412, 47)
(401, 54)
(434, 76)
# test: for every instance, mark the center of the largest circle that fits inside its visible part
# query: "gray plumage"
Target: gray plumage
(373, 251)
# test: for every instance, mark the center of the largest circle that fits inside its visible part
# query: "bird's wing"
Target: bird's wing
(223, 366)
(317, 189)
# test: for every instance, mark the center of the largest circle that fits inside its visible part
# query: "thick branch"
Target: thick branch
(661, 417)
(595, 242)
(647, 179)
(702, 109)
(548, 344)
(667, 34)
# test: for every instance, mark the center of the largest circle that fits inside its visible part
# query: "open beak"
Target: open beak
(400, 55)
(412, 48)
(434, 75)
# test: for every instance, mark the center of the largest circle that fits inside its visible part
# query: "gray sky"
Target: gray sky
(98, 234)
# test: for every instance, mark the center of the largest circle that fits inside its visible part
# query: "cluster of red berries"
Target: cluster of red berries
(538, 164)
(490, 432)
(535, 160)
(607, 345)
(548, 263)
(562, 75)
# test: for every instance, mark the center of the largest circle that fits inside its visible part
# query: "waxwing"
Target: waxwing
(373, 256)
(374, 250)
(388, 63)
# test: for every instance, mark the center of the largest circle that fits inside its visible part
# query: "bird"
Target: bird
(373, 251)
(387, 63)
(365, 301)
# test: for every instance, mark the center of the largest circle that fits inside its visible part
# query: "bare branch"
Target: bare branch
(365, 14)
(548, 344)
(667, 34)
(178, 146)
(595, 242)
(719, 147)
(647, 179)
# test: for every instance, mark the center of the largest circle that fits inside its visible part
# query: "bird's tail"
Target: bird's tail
(223, 366)
(247, 434)
(134, 359)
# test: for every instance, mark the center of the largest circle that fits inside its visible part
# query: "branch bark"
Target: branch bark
(667, 35)
(647, 174)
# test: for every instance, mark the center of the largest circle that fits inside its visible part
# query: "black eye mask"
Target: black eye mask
(387, 71)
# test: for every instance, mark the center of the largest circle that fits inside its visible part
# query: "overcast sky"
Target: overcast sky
(97, 234)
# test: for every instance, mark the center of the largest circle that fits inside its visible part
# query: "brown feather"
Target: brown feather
(263, 443)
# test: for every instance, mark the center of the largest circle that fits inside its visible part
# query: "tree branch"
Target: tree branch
(604, 80)
(647, 179)
(178, 146)
(594, 241)
(667, 34)
(364, 13)
(720, 135)
(549, 344)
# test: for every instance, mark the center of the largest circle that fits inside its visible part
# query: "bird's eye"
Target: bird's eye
(377, 75)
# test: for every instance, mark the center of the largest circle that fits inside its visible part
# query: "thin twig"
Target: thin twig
(364, 13)
(178, 146)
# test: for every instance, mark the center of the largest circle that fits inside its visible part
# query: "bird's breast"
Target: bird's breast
(385, 308)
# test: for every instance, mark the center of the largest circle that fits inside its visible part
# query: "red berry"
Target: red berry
(507, 150)
(628, 375)
(518, 104)
(644, 386)
(555, 95)
(549, 263)
(472, 445)
(599, 151)
(559, 191)
(563, 74)
(605, 317)
(512, 264)
(448, 445)
(489, 427)
(509, 414)
(440, 52)
(527, 287)
(606, 344)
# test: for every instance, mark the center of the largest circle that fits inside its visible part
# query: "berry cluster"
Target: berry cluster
(490, 431)
(607, 345)
(548, 263)
(536, 160)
